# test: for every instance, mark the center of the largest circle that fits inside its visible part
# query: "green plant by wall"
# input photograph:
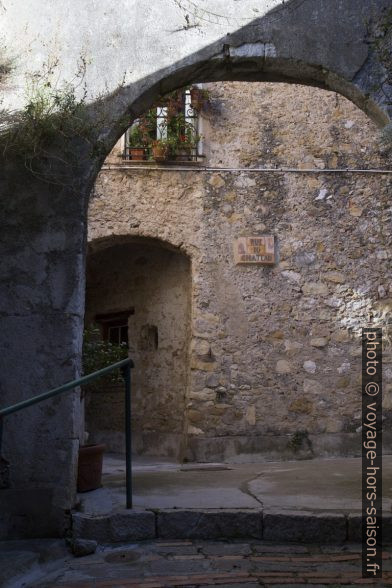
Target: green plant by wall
(300, 440)
(135, 137)
(56, 131)
(98, 354)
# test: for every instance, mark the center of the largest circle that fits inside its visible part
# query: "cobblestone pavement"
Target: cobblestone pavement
(159, 564)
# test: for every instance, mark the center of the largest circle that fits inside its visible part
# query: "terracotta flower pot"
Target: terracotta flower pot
(160, 152)
(184, 154)
(90, 467)
(137, 153)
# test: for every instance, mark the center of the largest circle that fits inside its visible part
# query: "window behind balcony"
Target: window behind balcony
(167, 132)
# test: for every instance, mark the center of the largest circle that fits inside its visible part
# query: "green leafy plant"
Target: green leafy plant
(6, 63)
(182, 133)
(380, 40)
(56, 130)
(164, 127)
(165, 143)
(199, 98)
(136, 139)
(382, 44)
(299, 440)
(51, 113)
(98, 354)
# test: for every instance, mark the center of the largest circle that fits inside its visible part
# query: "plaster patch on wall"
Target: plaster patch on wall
(253, 50)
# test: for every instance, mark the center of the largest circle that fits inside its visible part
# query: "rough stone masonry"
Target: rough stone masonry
(272, 354)
(132, 57)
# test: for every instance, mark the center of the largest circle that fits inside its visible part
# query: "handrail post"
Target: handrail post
(126, 371)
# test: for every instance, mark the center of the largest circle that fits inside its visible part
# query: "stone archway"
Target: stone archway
(317, 43)
(43, 227)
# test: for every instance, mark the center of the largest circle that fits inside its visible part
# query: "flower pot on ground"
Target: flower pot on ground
(90, 467)
(97, 354)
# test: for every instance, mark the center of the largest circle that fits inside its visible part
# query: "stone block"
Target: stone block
(29, 514)
(83, 547)
(16, 563)
(209, 524)
(212, 381)
(130, 525)
(88, 527)
(283, 367)
(310, 366)
(315, 289)
(319, 341)
(120, 526)
(304, 527)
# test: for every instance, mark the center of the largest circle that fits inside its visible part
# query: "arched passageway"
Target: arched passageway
(325, 43)
(139, 291)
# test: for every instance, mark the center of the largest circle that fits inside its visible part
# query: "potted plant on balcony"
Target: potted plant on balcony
(186, 142)
(97, 354)
(174, 102)
(199, 97)
(160, 149)
(184, 149)
(183, 137)
(136, 143)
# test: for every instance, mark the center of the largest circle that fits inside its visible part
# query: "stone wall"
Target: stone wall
(41, 318)
(275, 360)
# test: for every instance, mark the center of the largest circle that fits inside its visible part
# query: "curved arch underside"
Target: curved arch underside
(102, 243)
(323, 43)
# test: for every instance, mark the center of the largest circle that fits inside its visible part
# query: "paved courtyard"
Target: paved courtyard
(316, 488)
(318, 485)
(232, 564)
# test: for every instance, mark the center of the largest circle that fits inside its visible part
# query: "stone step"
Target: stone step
(211, 524)
(14, 564)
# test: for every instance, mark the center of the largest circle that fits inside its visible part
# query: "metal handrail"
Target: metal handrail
(125, 365)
